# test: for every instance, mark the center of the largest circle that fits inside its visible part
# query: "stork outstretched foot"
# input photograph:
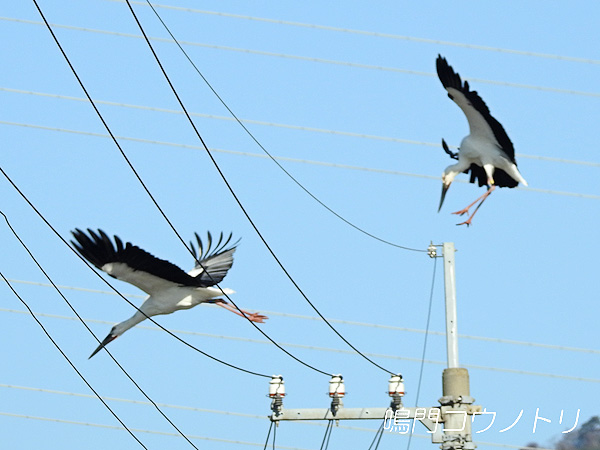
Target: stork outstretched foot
(466, 210)
(253, 317)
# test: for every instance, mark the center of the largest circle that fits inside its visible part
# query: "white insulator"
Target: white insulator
(276, 387)
(396, 385)
(336, 386)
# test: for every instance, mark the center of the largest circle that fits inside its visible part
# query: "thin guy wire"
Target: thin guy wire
(154, 200)
(70, 362)
(379, 34)
(424, 344)
(325, 437)
(268, 434)
(277, 125)
(320, 60)
(139, 388)
(379, 440)
(257, 142)
(377, 433)
(114, 289)
(300, 161)
(238, 200)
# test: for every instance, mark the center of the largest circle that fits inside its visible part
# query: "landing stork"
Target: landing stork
(169, 288)
(487, 152)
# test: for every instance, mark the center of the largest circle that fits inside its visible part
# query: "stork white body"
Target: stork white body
(487, 152)
(168, 287)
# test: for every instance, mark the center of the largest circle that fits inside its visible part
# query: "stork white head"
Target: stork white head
(447, 179)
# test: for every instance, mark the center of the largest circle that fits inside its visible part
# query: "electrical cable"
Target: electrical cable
(325, 443)
(139, 388)
(313, 26)
(152, 197)
(70, 362)
(378, 434)
(257, 142)
(268, 434)
(335, 350)
(138, 430)
(325, 61)
(321, 163)
(238, 200)
(230, 441)
(263, 123)
(115, 290)
(424, 344)
(340, 321)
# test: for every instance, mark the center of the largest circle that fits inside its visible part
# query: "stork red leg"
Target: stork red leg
(254, 317)
(482, 198)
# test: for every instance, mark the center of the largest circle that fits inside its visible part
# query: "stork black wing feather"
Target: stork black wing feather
(451, 79)
(99, 250)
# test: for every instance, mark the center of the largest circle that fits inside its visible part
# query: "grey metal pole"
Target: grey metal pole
(450, 288)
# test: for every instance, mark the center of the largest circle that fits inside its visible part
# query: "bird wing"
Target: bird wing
(212, 263)
(481, 122)
(130, 263)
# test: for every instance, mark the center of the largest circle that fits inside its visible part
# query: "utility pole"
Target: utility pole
(456, 405)
(456, 402)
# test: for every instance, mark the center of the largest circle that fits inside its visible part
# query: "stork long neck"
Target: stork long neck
(122, 327)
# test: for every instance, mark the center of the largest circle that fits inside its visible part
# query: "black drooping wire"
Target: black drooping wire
(378, 436)
(185, 111)
(269, 434)
(237, 119)
(424, 344)
(325, 443)
(68, 360)
(91, 332)
(158, 206)
(115, 289)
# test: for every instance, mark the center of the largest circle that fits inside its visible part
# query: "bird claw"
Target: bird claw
(255, 317)
(462, 212)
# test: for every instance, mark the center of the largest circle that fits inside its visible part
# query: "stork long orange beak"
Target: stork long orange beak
(111, 337)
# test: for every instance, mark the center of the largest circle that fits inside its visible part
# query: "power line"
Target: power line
(333, 350)
(339, 321)
(295, 160)
(138, 177)
(285, 126)
(283, 169)
(375, 34)
(424, 346)
(49, 225)
(236, 198)
(133, 402)
(139, 388)
(315, 60)
(138, 430)
(230, 441)
(71, 363)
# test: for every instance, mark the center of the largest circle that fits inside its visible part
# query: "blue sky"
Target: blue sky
(352, 105)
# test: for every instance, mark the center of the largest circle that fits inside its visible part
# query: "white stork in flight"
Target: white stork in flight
(486, 152)
(168, 287)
